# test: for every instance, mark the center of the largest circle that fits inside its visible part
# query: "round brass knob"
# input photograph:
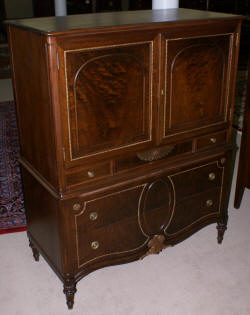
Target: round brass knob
(213, 140)
(211, 176)
(94, 245)
(93, 216)
(91, 174)
(76, 207)
(209, 203)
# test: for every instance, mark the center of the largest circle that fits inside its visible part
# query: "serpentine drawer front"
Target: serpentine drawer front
(125, 131)
(165, 204)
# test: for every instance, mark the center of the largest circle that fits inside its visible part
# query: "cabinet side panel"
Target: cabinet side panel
(42, 212)
(33, 104)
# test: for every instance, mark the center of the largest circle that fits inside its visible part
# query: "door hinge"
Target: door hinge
(64, 155)
(57, 61)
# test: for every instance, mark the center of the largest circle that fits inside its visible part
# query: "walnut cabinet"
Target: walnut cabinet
(125, 131)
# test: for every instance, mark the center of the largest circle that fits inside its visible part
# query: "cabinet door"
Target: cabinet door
(196, 81)
(108, 91)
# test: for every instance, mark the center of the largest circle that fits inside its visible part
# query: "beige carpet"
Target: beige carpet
(196, 277)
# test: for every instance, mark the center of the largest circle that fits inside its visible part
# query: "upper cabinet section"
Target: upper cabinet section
(108, 101)
(196, 77)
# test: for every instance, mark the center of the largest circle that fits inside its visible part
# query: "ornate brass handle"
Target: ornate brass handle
(156, 245)
(155, 154)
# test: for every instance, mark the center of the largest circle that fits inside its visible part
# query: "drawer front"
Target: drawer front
(211, 140)
(191, 211)
(140, 158)
(197, 179)
(109, 225)
(91, 173)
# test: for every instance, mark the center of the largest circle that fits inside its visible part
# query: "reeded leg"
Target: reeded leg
(69, 289)
(221, 227)
(35, 251)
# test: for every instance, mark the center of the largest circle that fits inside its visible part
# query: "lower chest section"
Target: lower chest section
(163, 207)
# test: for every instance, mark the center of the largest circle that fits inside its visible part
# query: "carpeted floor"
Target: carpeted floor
(12, 214)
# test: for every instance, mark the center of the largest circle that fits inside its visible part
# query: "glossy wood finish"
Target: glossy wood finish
(193, 67)
(119, 20)
(116, 123)
(33, 108)
(243, 178)
(115, 84)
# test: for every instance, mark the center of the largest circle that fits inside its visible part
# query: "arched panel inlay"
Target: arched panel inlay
(156, 206)
(196, 76)
(109, 98)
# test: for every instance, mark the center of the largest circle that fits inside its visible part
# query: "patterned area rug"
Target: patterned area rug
(12, 213)
(5, 72)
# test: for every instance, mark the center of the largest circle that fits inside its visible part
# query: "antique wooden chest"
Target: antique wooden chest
(125, 130)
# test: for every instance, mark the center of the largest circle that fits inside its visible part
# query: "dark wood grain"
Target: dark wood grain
(194, 67)
(34, 112)
(113, 84)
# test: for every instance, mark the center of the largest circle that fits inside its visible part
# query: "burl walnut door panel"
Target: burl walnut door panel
(109, 98)
(197, 71)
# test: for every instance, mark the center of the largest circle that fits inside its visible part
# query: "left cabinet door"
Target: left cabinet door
(106, 95)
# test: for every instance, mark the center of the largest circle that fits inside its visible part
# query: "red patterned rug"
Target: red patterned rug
(12, 213)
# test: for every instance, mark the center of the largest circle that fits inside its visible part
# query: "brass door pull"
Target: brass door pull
(155, 154)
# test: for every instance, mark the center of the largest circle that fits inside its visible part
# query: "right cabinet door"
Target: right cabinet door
(196, 77)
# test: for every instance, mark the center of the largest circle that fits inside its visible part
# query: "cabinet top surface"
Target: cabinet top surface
(58, 25)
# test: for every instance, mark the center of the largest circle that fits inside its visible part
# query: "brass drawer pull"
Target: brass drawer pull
(211, 176)
(94, 245)
(213, 140)
(93, 216)
(91, 174)
(155, 154)
(209, 203)
(76, 207)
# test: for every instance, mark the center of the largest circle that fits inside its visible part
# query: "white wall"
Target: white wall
(18, 8)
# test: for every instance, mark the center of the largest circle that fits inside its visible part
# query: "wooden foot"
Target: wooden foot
(35, 251)
(221, 227)
(69, 289)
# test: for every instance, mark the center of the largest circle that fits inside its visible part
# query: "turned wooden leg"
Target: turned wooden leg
(221, 227)
(35, 251)
(69, 289)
